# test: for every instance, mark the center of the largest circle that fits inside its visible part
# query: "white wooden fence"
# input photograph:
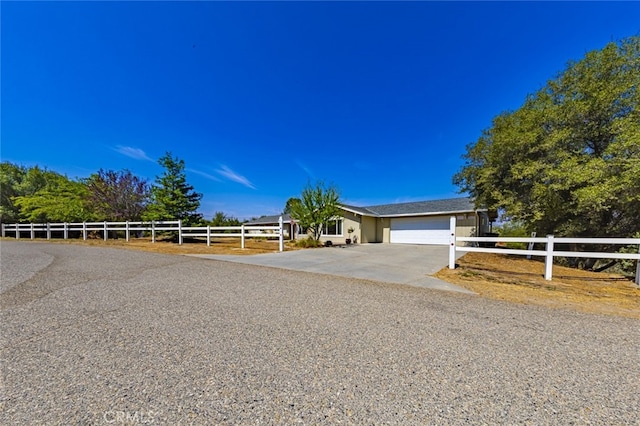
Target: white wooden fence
(57, 230)
(549, 253)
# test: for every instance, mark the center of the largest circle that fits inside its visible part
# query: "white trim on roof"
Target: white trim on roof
(449, 213)
(361, 213)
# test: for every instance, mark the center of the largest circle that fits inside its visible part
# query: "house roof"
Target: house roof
(416, 208)
(270, 220)
(432, 207)
(358, 210)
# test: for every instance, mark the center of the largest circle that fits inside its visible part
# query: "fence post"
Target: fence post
(531, 244)
(48, 231)
(127, 231)
(84, 230)
(242, 236)
(180, 232)
(33, 232)
(2, 228)
(17, 231)
(153, 231)
(638, 269)
(65, 231)
(208, 235)
(105, 230)
(548, 261)
(281, 234)
(452, 242)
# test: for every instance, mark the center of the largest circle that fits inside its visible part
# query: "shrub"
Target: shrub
(308, 242)
(513, 229)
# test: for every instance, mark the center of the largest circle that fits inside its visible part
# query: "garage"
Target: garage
(420, 230)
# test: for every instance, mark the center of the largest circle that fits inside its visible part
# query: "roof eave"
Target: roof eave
(432, 213)
(361, 213)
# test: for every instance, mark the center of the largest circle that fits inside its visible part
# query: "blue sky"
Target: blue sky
(258, 98)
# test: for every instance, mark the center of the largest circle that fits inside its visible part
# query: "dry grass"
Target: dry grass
(516, 279)
(192, 246)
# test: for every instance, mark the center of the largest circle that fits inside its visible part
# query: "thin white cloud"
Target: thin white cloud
(233, 176)
(205, 175)
(131, 152)
(306, 169)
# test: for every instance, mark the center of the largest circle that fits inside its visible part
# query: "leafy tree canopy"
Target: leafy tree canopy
(11, 177)
(221, 219)
(288, 207)
(61, 200)
(568, 161)
(172, 197)
(318, 204)
(117, 196)
(31, 193)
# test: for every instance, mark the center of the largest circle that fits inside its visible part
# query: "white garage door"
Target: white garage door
(420, 230)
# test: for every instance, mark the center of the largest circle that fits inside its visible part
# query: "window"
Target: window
(333, 227)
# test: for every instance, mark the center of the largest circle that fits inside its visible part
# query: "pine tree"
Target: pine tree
(172, 197)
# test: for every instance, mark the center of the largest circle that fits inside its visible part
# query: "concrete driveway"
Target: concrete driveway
(393, 263)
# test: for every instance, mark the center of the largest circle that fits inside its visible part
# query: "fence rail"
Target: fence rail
(548, 253)
(51, 230)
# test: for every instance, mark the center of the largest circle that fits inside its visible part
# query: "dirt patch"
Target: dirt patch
(516, 279)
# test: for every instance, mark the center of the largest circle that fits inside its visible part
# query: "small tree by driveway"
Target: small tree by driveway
(318, 205)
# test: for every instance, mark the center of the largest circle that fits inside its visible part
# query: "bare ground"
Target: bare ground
(516, 279)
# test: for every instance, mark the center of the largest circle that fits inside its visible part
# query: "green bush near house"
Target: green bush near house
(308, 242)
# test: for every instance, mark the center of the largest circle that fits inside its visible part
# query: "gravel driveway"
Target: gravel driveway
(103, 336)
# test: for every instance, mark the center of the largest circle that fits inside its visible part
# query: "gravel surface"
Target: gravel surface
(103, 336)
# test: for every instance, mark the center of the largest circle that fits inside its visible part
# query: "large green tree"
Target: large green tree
(117, 196)
(288, 207)
(221, 219)
(318, 205)
(171, 196)
(38, 195)
(60, 200)
(568, 161)
(11, 177)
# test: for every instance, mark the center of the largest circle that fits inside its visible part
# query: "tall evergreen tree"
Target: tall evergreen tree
(171, 196)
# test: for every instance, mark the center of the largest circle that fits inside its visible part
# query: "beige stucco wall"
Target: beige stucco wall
(366, 229)
(466, 226)
(384, 229)
(368, 232)
(349, 220)
(369, 229)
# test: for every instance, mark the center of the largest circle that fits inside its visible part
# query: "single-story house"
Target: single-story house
(421, 222)
(290, 228)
